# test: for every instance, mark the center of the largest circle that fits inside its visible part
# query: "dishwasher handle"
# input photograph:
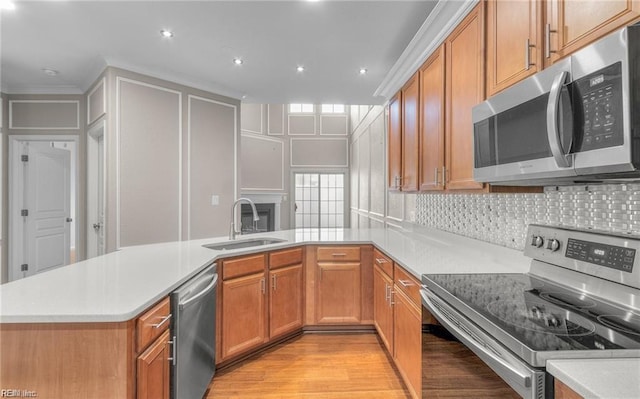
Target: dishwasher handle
(493, 359)
(205, 291)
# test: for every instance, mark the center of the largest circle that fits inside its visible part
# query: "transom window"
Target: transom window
(301, 108)
(333, 108)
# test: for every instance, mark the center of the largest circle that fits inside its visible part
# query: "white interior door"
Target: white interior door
(47, 198)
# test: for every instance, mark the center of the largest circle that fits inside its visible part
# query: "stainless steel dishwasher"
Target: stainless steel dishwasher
(194, 335)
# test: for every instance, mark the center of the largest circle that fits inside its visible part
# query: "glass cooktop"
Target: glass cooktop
(539, 314)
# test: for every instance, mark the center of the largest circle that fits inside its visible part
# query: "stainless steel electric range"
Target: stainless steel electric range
(580, 299)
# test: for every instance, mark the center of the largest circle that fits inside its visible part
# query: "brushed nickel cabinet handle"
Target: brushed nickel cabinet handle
(547, 40)
(273, 282)
(527, 54)
(380, 261)
(338, 254)
(406, 283)
(391, 292)
(263, 285)
(164, 320)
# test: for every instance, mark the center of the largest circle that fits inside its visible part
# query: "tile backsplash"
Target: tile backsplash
(503, 218)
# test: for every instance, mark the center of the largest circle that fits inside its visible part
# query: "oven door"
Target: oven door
(528, 382)
(526, 132)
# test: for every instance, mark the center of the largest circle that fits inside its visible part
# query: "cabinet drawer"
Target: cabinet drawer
(407, 283)
(285, 258)
(152, 323)
(338, 254)
(383, 261)
(242, 266)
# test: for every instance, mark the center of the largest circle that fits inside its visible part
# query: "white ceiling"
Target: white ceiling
(332, 39)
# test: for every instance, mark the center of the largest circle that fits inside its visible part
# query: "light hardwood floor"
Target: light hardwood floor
(328, 366)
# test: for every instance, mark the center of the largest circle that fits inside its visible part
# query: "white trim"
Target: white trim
(346, 142)
(346, 124)
(376, 214)
(102, 84)
(76, 102)
(92, 137)
(269, 120)
(261, 121)
(17, 194)
(301, 134)
(266, 138)
(444, 17)
(120, 79)
(235, 164)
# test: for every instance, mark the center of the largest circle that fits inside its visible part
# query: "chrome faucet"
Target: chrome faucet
(232, 230)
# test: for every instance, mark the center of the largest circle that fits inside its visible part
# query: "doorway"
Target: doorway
(96, 190)
(319, 200)
(43, 202)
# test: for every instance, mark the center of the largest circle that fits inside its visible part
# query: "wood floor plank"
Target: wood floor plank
(339, 366)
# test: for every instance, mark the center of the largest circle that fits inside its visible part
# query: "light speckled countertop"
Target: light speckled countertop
(122, 284)
(599, 378)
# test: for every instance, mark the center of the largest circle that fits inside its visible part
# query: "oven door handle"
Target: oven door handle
(562, 159)
(509, 372)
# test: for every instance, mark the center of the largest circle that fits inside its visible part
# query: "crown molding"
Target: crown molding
(446, 15)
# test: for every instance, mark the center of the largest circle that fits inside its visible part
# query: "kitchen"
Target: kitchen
(125, 99)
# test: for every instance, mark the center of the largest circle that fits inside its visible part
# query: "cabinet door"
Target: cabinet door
(153, 370)
(432, 122)
(465, 88)
(407, 333)
(574, 24)
(285, 305)
(395, 142)
(410, 150)
(243, 314)
(338, 293)
(514, 38)
(382, 309)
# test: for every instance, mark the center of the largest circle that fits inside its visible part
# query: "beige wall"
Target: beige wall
(47, 115)
(170, 148)
(275, 144)
(372, 205)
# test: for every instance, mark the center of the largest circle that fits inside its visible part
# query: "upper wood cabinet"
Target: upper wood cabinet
(432, 95)
(464, 50)
(574, 24)
(514, 42)
(410, 149)
(394, 141)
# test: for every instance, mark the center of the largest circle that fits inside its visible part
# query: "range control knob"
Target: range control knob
(553, 245)
(537, 241)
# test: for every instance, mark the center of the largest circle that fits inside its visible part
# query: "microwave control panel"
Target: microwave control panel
(600, 95)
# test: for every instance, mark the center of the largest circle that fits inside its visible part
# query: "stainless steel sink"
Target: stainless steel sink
(221, 246)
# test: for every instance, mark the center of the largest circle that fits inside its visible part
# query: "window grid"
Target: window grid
(319, 199)
(301, 108)
(333, 109)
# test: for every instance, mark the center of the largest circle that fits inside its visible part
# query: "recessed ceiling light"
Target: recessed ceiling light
(363, 71)
(244, 96)
(7, 5)
(300, 68)
(50, 72)
(238, 61)
(166, 33)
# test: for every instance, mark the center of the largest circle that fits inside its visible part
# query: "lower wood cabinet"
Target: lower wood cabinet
(407, 333)
(243, 314)
(260, 300)
(383, 307)
(338, 293)
(562, 391)
(153, 370)
(285, 300)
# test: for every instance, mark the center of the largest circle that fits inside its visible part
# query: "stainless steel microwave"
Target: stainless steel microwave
(577, 121)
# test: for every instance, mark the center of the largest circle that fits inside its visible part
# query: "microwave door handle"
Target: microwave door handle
(553, 133)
